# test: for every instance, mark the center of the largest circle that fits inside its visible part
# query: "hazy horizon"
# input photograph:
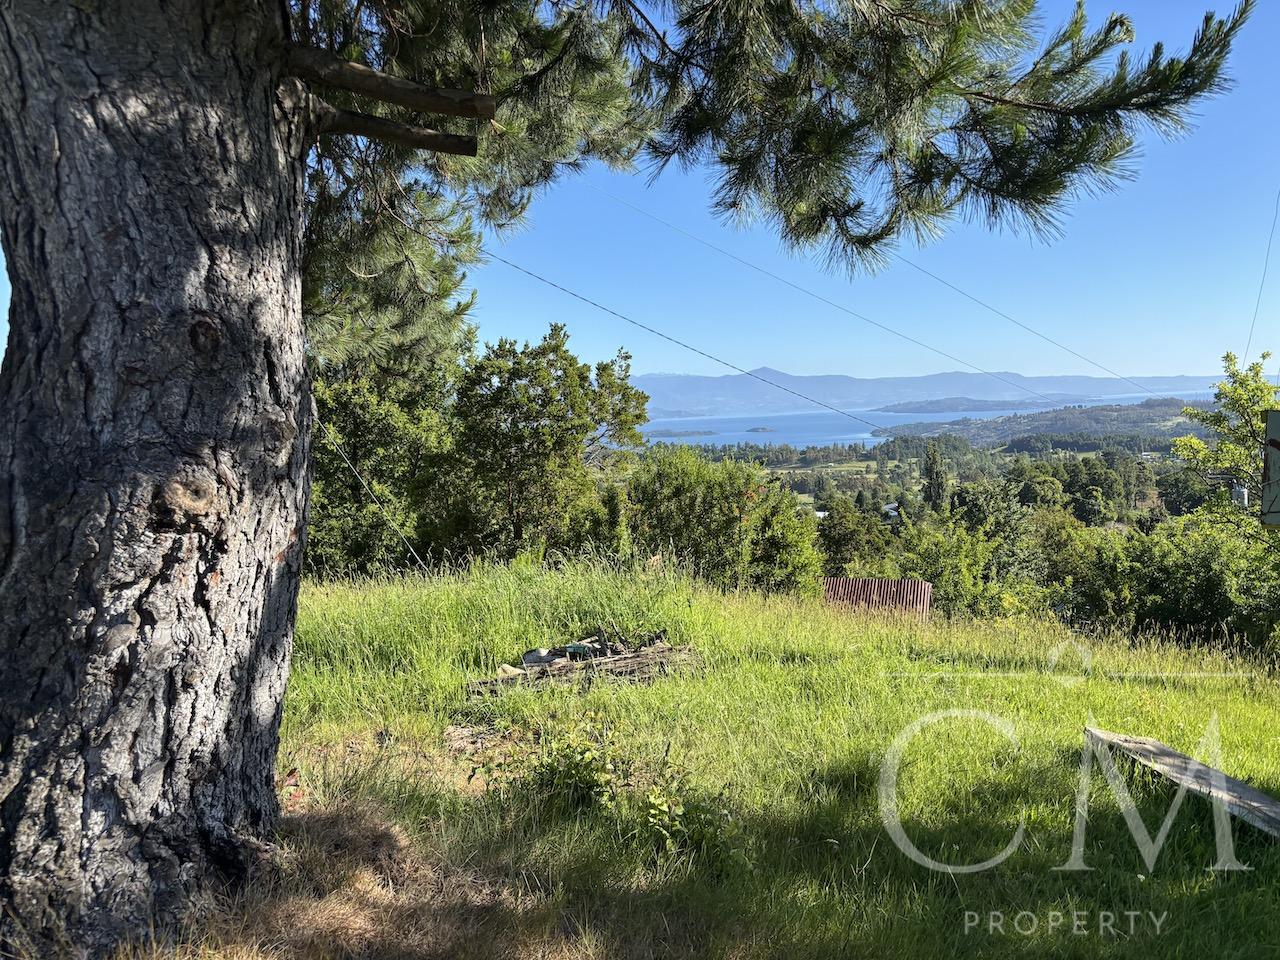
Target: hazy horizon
(932, 373)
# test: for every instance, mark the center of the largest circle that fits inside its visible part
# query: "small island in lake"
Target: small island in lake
(761, 430)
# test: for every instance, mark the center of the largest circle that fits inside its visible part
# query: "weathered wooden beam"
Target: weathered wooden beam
(323, 67)
(1241, 800)
(331, 120)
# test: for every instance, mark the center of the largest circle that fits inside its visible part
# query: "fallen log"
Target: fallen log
(1239, 798)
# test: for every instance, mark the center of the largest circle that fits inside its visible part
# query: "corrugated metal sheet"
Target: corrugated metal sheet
(909, 596)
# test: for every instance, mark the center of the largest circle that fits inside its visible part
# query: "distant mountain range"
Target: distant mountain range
(690, 395)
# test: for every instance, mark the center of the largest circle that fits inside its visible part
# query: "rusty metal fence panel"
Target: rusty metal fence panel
(906, 596)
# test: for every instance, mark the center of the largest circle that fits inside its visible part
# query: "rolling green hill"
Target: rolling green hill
(1157, 419)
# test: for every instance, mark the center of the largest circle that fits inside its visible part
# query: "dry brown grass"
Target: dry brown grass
(353, 885)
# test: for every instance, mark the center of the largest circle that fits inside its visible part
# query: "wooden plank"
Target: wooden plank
(1240, 799)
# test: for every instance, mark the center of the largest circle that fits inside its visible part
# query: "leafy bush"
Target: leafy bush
(728, 521)
(576, 768)
(680, 821)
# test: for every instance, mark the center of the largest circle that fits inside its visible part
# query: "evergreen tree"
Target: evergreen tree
(727, 521)
(848, 533)
(531, 423)
(935, 479)
(183, 143)
(395, 433)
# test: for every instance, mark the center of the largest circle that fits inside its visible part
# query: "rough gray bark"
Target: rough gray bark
(153, 449)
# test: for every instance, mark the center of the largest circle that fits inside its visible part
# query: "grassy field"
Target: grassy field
(733, 810)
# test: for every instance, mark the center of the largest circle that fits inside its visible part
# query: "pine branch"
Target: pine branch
(322, 67)
(331, 120)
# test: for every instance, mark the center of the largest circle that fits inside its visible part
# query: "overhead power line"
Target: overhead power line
(821, 299)
(687, 346)
(680, 343)
(1262, 284)
(911, 263)
(369, 490)
(1018, 323)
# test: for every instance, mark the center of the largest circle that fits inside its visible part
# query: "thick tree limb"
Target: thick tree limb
(323, 67)
(332, 120)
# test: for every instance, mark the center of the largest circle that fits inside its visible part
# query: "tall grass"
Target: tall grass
(731, 810)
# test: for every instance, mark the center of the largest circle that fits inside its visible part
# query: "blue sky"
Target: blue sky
(1158, 278)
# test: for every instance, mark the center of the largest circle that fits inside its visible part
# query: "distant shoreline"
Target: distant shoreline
(971, 405)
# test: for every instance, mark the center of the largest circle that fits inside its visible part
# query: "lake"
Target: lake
(824, 427)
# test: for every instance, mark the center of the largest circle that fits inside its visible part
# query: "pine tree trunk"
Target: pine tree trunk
(153, 451)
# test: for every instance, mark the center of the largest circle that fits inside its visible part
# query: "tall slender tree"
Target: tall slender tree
(156, 160)
(935, 478)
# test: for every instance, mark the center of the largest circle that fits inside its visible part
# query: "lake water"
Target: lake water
(824, 427)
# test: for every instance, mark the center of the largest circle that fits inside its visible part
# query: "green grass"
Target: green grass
(773, 747)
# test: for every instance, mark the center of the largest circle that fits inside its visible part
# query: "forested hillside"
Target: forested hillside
(1153, 423)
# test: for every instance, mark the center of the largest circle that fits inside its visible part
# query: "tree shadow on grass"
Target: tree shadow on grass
(388, 873)
(355, 884)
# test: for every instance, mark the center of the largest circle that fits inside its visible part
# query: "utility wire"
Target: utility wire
(821, 299)
(1018, 323)
(386, 515)
(681, 343)
(1266, 265)
(687, 346)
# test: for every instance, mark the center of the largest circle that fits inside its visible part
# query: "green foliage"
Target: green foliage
(846, 125)
(680, 821)
(843, 126)
(533, 428)
(576, 767)
(390, 230)
(850, 535)
(935, 479)
(392, 431)
(1237, 426)
(612, 529)
(1042, 491)
(727, 520)
(1206, 579)
(963, 566)
(378, 295)
(1182, 491)
(1089, 538)
(520, 452)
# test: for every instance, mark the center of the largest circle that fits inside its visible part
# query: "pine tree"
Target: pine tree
(170, 151)
(935, 479)
(531, 423)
